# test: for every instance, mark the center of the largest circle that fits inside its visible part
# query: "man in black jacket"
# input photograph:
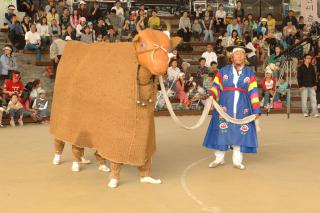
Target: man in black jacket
(307, 82)
(290, 18)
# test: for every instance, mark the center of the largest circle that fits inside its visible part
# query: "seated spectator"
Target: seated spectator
(269, 88)
(281, 92)
(213, 68)
(184, 30)
(25, 100)
(82, 10)
(196, 30)
(207, 24)
(263, 27)
(209, 55)
(13, 86)
(154, 21)
(185, 68)
(15, 110)
(2, 111)
(100, 38)
(277, 60)
(119, 10)
(198, 13)
(221, 54)
(8, 63)
(40, 105)
(9, 15)
(296, 55)
(70, 32)
(272, 42)
(26, 23)
(33, 41)
(100, 28)
(75, 19)
(126, 31)
(65, 17)
(176, 56)
(142, 20)
(27, 6)
(53, 14)
(289, 32)
(221, 19)
(239, 11)
(208, 82)
(49, 6)
(56, 51)
(302, 29)
(246, 28)
(43, 30)
(224, 39)
(35, 90)
(16, 34)
(290, 18)
(173, 71)
(201, 71)
(39, 15)
(111, 36)
(271, 22)
(90, 25)
(60, 7)
(80, 27)
(233, 26)
(252, 57)
(116, 23)
(252, 24)
(259, 44)
(180, 91)
(87, 36)
(95, 13)
(54, 28)
(232, 38)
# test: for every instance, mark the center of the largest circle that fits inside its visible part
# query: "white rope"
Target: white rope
(205, 112)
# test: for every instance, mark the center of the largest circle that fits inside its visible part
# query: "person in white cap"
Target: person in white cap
(8, 16)
(8, 63)
(82, 10)
(80, 26)
(235, 89)
(263, 27)
(269, 88)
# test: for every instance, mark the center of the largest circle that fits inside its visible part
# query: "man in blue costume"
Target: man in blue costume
(235, 89)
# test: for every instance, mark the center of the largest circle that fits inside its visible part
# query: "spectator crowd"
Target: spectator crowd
(51, 25)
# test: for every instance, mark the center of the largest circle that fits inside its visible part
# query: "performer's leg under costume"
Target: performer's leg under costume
(77, 151)
(99, 158)
(116, 168)
(237, 156)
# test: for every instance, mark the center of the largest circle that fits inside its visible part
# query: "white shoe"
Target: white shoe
(104, 168)
(215, 163)
(316, 116)
(240, 166)
(150, 180)
(57, 159)
(75, 167)
(85, 161)
(113, 183)
(306, 115)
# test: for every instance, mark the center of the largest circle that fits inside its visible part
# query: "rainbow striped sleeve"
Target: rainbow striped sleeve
(254, 95)
(216, 87)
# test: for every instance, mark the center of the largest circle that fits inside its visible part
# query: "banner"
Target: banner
(309, 10)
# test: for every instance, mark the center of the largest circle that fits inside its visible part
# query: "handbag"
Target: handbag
(277, 105)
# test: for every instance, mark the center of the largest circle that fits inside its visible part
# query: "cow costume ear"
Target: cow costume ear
(136, 38)
(174, 41)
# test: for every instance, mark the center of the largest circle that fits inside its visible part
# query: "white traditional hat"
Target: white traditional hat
(11, 7)
(83, 19)
(82, 2)
(264, 20)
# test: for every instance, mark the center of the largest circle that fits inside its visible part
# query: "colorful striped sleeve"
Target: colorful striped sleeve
(216, 87)
(254, 95)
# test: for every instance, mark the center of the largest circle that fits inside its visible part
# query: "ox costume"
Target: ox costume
(237, 93)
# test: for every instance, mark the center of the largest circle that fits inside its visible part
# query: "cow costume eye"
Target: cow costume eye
(143, 45)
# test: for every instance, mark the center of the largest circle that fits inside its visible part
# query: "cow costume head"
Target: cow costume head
(152, 48)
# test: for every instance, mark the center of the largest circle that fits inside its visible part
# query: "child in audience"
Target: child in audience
(40, 105)
(269, 88)
(281, 92)
(15, 109)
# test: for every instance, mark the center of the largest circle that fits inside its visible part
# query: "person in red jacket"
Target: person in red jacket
(13, 86)
(269, 88)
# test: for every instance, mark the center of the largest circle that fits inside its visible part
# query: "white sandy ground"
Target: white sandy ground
(284, 177)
